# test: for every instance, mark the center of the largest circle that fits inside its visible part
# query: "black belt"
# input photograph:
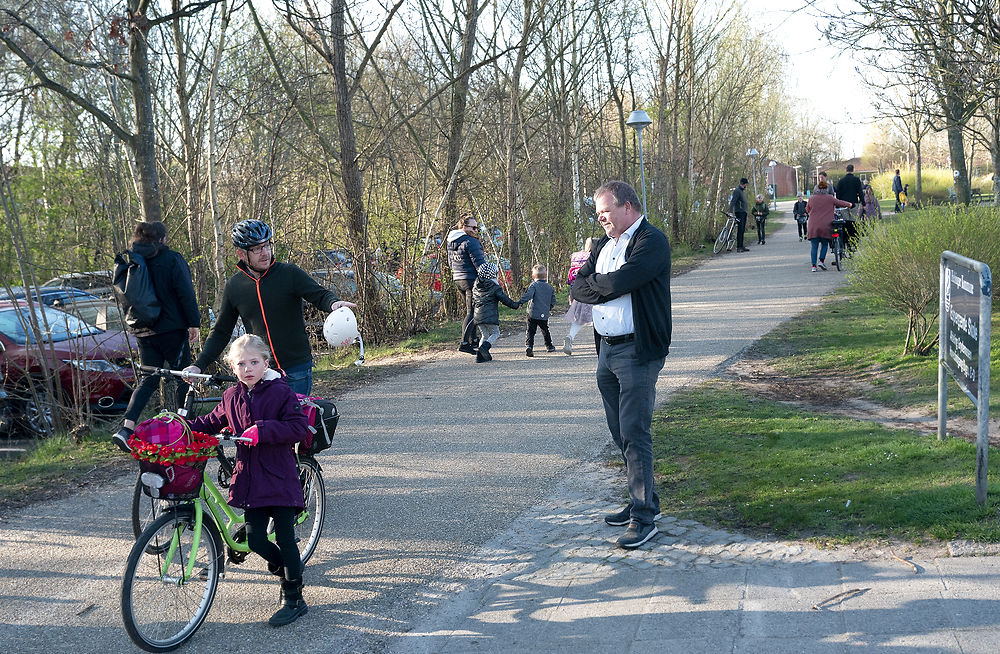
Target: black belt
(617, 340)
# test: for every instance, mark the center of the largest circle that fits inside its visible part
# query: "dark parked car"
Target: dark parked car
(92, 365)
(95, 282)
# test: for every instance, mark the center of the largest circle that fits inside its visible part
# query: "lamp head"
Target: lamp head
(638, 120)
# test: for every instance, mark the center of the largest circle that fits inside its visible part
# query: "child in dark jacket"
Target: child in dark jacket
(486, 298)
(541, 298)
(801, 217)
(265, 484)
(760, 212)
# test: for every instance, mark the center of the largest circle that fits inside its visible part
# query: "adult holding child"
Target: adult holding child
(165, 342)
(465, 256)
(580, 313)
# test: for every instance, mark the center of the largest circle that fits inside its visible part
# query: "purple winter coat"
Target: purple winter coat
(265, 474)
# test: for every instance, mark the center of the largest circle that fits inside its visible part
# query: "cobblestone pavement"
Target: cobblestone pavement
(555, 582)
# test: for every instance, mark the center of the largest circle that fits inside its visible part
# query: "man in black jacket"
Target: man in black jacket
(268, 296)
(627, 279)
(739, 205)
(850, 189)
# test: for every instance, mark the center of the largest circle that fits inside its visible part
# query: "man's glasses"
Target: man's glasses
(475, 227)
(257, 249)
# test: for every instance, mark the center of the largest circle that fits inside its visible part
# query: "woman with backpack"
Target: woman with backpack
(162, 341)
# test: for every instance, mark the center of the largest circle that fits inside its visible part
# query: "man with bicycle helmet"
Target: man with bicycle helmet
(268, 296)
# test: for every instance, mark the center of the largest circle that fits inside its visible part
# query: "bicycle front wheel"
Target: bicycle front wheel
(162, 604)
(723, 238)
(309, 523)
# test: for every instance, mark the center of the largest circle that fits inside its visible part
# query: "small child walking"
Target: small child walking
(801, 217)
(760, 212)
(541, 298)
(266, 484)
(486, 298)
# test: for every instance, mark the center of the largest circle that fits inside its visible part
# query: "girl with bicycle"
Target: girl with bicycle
(265, 484)
(820, 228)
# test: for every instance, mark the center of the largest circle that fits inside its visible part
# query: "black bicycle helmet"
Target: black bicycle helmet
(248, 233)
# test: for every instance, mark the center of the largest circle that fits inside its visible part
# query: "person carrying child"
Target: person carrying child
(265, 484)
(486, 298)
(760, 212)
(801, 217)
(541, 298)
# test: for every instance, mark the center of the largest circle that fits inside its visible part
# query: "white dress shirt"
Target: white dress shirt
(614, 318)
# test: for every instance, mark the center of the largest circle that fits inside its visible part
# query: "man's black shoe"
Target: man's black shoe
(550, 348)
(623, 517)
(620, 518)
(742, 250)
(468, 349)
(636, 535)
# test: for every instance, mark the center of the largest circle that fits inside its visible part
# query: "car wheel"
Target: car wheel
(34, 414)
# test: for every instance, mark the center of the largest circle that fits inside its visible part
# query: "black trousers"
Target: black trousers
(468, 323)
(803, 228)
(760, 229)
(741, 226)
(170, 350)
(533, 324)
(286, 552)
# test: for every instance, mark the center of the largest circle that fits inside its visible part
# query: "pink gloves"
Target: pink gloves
(251, 433)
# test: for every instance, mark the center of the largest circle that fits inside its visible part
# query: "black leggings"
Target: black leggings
(286, 552)
(168, 349)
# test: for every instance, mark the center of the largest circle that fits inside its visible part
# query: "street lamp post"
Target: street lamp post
(797, 178)
(752, 154)
(639, 120)
(774, 184)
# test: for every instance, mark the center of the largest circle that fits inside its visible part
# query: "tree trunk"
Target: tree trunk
(144, 143)
(459, 101)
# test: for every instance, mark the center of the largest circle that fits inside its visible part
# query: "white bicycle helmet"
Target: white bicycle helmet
(341, 328)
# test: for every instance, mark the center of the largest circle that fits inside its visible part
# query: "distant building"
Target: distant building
(784, 176)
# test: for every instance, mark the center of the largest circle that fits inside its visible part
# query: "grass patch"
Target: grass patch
(742, 462)
(58, 465)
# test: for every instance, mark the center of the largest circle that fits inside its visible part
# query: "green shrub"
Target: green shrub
(898, 263)
(937, 182)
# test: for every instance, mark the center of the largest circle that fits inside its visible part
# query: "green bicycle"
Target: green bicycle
(173, 570)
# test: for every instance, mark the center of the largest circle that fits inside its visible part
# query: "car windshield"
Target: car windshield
(61, 326)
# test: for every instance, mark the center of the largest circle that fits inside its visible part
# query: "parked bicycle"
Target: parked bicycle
(174, 567)
(727, 237)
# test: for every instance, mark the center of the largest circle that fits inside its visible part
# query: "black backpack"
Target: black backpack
(134, 290)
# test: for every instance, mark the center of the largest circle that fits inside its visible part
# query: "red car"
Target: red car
(92, 365)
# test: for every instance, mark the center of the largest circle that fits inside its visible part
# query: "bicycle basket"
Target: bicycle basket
(165, 445)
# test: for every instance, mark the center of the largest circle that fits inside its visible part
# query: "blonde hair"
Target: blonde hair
(588, 245)
(250, 342)
(538, 271)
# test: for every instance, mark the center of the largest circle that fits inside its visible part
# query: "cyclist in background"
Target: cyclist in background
(268, 296)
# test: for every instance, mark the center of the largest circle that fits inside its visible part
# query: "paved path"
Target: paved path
(466, 502)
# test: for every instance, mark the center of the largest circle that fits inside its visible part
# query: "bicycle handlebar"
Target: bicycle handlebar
(152, 370)
(233, 438)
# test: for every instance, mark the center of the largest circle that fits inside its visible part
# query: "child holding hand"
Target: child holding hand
(486, 298)
(265, 484)
(541, 298)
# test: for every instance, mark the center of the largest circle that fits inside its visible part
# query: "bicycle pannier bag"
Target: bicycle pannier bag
(166, 446)
(134, 290)
(323, 417)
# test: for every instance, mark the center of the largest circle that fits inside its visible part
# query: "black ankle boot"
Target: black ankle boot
(293, 605)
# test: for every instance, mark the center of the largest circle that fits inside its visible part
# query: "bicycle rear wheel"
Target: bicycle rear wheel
(161, 605)
(723, 237)
(309, 523)
(838, 252)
